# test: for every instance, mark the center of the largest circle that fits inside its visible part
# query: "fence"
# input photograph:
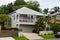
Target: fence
(8, 33)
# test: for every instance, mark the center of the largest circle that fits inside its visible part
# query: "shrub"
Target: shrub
(36, 30)
(55, 28)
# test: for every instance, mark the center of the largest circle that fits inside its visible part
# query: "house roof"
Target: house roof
(25, 10)
(55, 13)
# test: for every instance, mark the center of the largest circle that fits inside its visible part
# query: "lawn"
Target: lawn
(48, 36)
(20, 38)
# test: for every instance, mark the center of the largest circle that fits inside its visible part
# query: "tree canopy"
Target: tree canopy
(4, 18)
(19, 2)
(6, 9)
(34, 5)
(46, 10)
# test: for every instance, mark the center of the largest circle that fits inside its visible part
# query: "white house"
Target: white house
(24, 18)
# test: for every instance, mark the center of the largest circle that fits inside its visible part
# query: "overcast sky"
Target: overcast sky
(43, 3)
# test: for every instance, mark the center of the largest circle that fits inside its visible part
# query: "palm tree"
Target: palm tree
(45, 11)
(46, 18)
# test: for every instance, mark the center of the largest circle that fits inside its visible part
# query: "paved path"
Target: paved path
(6, 38)
(32, 36)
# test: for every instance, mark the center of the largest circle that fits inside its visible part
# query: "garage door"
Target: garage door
(27, 28)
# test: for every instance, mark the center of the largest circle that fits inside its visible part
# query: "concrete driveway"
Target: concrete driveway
(32, 36)
(6, 38)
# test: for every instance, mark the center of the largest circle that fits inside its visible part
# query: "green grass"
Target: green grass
(48, 36)
(20, 38)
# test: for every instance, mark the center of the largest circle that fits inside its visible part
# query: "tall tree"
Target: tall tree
(6, 9)
(9, 8)
(34, 5)
(45, 10)
(3, 9)
(19, 2)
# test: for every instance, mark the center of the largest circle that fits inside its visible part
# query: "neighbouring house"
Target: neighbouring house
(55, 18)
(24, 18)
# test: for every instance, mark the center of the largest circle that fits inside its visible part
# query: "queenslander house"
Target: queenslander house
(24, 18)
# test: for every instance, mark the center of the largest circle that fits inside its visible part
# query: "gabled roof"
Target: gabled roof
(25, 10)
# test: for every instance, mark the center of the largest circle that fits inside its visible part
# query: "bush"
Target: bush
(55, 28)
(36, 30)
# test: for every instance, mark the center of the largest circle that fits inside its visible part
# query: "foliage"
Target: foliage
(4, 18)
(55, 28)
(39, 24)
(3, 9)
(34, 5)
(9, 8)
(6, 9)
(56, 9)
(19, 2)
(17, 7)
(45, 10)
